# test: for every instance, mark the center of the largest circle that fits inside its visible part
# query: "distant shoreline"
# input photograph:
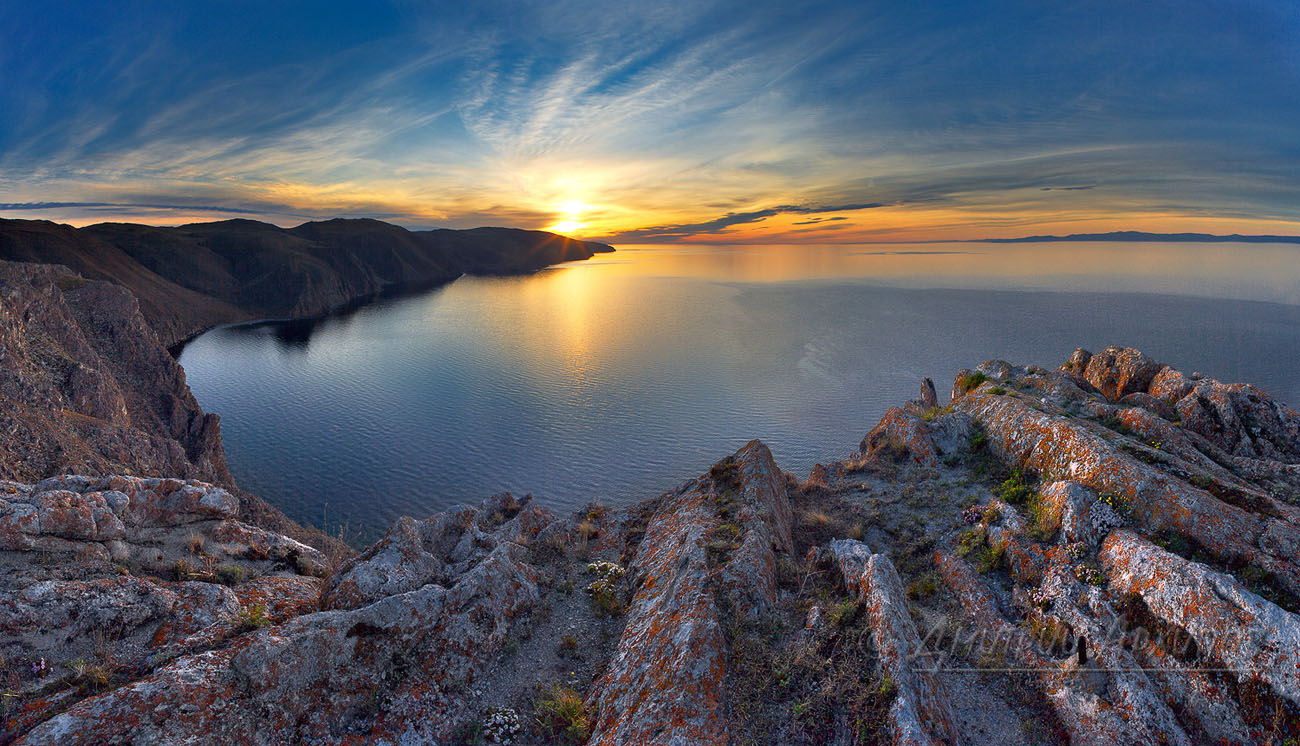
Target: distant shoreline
(1141, 236)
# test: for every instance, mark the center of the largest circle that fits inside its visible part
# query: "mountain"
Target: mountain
(1139, 236)
(192, 277)
(1102, 553)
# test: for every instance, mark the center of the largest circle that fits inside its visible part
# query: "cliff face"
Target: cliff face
(193, 277)
(87, 387)
(1106, 553)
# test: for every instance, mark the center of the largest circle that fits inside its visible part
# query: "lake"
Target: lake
(617, 378)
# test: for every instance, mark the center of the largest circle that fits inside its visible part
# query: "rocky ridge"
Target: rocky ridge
(1103, 553)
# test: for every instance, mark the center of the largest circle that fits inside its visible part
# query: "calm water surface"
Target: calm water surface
(616, 378)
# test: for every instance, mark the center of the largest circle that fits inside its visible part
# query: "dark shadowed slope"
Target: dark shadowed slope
(192, 277)
(175, 311)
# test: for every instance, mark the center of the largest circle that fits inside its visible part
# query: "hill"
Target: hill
(192, 277)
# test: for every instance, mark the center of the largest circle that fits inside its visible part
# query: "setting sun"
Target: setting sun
(572, 211)
(566, 226)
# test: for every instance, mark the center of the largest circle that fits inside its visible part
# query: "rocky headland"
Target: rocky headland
(190, 278)
(1107, 552)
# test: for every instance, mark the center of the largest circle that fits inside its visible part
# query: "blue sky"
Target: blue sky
(659, 121)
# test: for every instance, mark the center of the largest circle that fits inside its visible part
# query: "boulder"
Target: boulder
(1117, 372)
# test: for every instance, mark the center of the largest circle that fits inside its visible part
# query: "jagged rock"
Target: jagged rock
(749, 576)
(902, 435)
(928, 397)
(1078, 362)
(665, 684)
(1254, 637)
(921, 712)
(150, 523)
(1117, 372)
(1060, 447)
(393, 669)
(1132, 714)
(87, 386)
(416, 630)
(414, 554)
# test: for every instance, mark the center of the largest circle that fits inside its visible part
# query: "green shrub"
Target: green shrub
(1044, 518)
(183, 570)
(924, 586)
(1090, 574)
(89, 676)
(252, 617)
(1016, 490)
(232, 574)
(1119, 503)
(604, 589)
(971, 380)
(934, 413)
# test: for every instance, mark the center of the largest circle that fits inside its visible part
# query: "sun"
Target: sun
(570, 214)
(566, 226)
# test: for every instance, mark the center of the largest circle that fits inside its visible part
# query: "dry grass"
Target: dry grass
(562, 716)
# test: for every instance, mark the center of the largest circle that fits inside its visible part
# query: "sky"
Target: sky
(651, 121)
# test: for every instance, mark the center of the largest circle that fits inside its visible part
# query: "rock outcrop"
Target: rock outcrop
(922, 711)
(667, 682)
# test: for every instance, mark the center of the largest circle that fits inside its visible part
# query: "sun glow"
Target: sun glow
(565, 226)
(570, 216)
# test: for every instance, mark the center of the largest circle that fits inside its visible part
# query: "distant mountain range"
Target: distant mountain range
(193, 277)
(1140, 236)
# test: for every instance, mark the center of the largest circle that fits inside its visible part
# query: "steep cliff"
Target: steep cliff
(87, 388)
(1106, 553)
(193, 277)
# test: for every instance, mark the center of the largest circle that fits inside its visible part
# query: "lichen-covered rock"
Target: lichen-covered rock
(1111, 704)
(665, 684)
(1063, 448)
(147, 523)
(1117, 372)
(904, 435)
(921, 712)
(1252, 636)
(392, 670)
(1076, 626)
(749, 576)
(414, 554)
